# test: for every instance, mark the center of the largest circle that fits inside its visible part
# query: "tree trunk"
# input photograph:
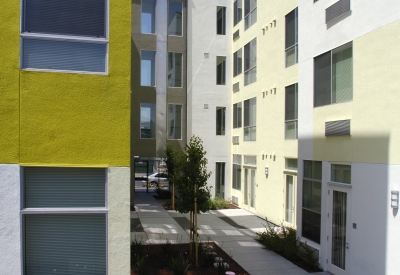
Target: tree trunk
(173, 194)
(191, 234)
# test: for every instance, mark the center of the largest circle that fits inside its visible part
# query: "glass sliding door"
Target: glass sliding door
(246, 187)
(339, 215)
(253, 189)
(289, 209)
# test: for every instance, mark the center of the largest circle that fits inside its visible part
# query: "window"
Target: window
(221, 20)
(147, 120)
(220, 179)
(174, 69)
(237, 62)
(250, 13)
(291, 164)
(148, 16)
(311, 222)
(237, 12)
(333, 76)
(220, 121)
(291, 38)
(250, 113)
(341, 173)
(250, 62)
(64, 231)
(221, 65)
(291, 119)
(174, 121)
(175, 18)
(237, 115)
(52, 30)
(237, 172)
(147, 68)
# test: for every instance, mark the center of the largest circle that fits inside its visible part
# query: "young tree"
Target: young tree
(172, 159)
(191, 177)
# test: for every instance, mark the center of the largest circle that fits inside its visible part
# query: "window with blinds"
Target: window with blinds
(333, 76)
(291, 110)
(64, 221)
(291, 38)
(250, 62)
(64, 35)
(250, 119)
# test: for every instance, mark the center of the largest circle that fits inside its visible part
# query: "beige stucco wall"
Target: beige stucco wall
(271, 71)
(374, 110)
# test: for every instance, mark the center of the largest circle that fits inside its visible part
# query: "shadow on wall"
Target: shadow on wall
(370, 209)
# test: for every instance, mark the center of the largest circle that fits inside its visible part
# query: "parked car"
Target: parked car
(155, 179)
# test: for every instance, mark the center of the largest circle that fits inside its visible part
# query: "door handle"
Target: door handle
(347, 245)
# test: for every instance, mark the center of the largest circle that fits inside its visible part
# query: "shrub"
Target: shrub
(179, 264)
(141, 266)
(136, 248)
(218, 203)
(283, 240)
(206, 255)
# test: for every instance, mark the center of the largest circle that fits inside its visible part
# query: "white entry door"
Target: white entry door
(339, 230)
(249, 188)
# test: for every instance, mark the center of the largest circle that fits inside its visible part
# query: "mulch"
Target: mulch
(160, 264)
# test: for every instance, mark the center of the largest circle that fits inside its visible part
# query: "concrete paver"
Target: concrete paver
(233, 230)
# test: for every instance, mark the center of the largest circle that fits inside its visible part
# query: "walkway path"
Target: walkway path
(233, 230)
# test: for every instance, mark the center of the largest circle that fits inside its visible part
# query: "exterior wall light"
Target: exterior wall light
(395, 199)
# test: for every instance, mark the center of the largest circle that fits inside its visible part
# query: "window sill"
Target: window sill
(62, 71)
(346, 185)
(71, 210)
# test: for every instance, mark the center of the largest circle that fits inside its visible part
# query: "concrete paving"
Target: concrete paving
(233, 230)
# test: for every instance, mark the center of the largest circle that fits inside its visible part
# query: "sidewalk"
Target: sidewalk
(233, 230)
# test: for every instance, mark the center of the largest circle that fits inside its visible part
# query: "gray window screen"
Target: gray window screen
(61, 187)
(291, 112)
(237, 62)
(70, 244)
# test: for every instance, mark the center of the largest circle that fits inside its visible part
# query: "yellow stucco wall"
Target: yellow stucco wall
(9, 82)
(67, 118)
(374, 111)
(271, 71)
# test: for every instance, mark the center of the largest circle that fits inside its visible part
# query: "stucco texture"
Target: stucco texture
(9, 81)
(118, 221)
(10, 237)
(80, 119)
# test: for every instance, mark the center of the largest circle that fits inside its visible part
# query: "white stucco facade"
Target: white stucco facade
(10, 222)
(204, 95)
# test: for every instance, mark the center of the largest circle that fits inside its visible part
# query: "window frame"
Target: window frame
(223, 19)
(296, 107)
(64, 38)
(153, 109)
(221, 131)
(313, 180)
(237, 108)
(331, 53)
(168, 136)
(237, 167)
(296, 43)
(237, 65)
(252, 122)
(252, 68)
(153, 68)
(174, 53)
(237, 11)
(60, 211)
(221, 71)
(176, 1)
(250, 14)
(154, 20)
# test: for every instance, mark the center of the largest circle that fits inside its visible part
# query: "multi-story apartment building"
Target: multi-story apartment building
(348, 162)
(242, 101)
(158, 79)
(65, 137)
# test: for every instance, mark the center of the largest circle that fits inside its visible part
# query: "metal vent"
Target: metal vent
(337, 10)
(235, 139)
(236, 87)
(235, 34)
(235, 200)
(337, 128)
